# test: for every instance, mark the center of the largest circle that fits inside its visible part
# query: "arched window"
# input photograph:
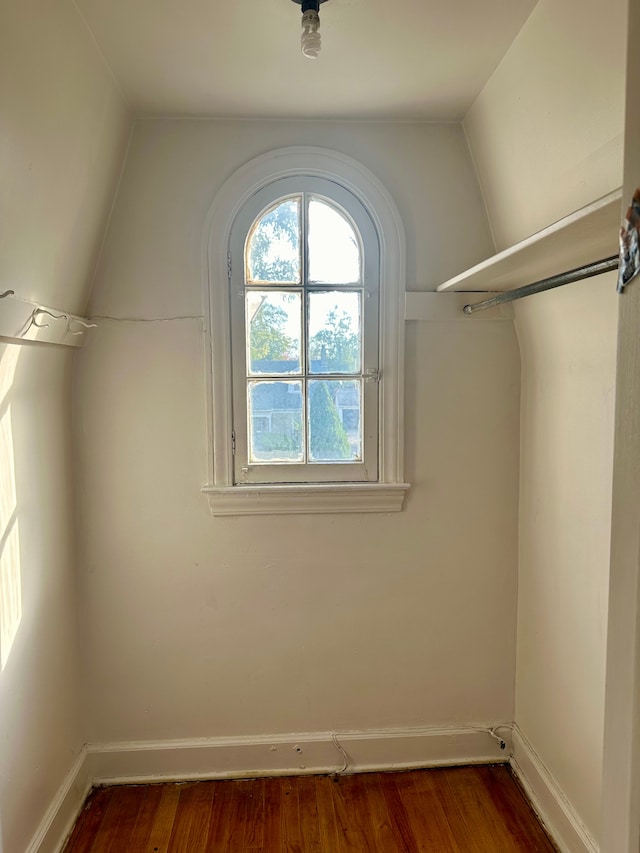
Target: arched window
(305, 336)
(305, 272)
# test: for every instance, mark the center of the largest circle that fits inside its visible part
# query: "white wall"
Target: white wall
(195, 626)
(546, 132)
(568, 348)
(40, 715)
(546, 137)
(65, 129)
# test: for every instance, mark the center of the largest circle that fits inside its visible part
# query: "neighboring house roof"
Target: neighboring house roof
(279, 366)
(272, 396)
(275, 365)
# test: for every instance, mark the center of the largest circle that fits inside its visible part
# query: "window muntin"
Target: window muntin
(305, 342)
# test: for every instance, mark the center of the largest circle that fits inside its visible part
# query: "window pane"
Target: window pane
(335, 334)
(334, 250)
(274, 321)
(273, 247)
(275, 421)
(335, 420)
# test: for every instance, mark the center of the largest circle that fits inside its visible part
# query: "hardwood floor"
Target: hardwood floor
(453, 810)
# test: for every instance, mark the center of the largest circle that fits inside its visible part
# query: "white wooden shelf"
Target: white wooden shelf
(587, 235)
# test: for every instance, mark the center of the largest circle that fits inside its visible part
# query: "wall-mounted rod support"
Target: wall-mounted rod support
(588, 271)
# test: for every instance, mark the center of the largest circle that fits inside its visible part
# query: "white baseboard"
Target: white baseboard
(291, 754)
(548, 800)
(316, 752)
(267, 755)
(64, 809)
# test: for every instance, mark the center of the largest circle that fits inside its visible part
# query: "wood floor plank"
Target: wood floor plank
(253, 794)
(352, 816)
(452, 810)
(474, 820)
(271, 822)
(223, 829)
(165, 816)
(308, 809)
(119, 821)
(88, 824)
(327, 825)
(191, 825)
(515, 810)
(347, 837)
(429, 821)
(218, 820)
(143, 828)
(291, 835)
(398, 815)
(384, 832)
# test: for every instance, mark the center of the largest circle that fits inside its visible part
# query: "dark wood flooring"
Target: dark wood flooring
(452, 810)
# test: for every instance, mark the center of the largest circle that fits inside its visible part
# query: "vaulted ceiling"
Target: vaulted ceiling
(389, 59)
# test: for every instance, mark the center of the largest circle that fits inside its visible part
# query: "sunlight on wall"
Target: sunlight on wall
(10, 593)
(10, 577)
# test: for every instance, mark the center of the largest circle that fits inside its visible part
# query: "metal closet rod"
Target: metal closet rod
(587, 271)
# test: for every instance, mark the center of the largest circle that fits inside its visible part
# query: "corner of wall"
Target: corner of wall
(480, 181)
(119, 168)
(549, 801)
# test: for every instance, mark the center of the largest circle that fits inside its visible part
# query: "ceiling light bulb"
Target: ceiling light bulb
(310, 39)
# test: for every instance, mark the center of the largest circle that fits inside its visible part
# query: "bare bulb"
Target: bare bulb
(310, 41)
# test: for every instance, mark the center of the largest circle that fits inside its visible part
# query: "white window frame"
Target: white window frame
(385, 495)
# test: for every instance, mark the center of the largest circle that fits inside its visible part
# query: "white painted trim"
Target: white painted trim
(548, 799)
(239, 187)
(301, 499)
(257, 756)
(621, 762)
(291, 754)
(434, 307)
(65, 807)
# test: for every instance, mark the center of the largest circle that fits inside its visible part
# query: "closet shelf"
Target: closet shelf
(586, 235)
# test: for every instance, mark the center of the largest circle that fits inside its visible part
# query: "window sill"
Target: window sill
(305, 498)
